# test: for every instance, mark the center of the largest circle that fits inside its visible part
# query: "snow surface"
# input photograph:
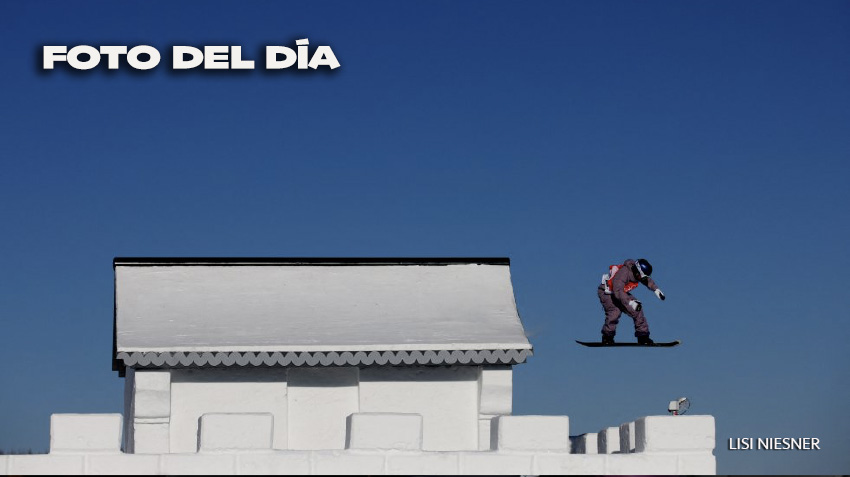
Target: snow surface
(316, 308)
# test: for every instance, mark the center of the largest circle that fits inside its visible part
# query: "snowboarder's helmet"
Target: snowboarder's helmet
(644, 268)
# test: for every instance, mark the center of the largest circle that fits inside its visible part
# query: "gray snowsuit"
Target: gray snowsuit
(618, 300)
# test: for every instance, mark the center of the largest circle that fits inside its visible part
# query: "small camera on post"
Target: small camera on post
(679, 406)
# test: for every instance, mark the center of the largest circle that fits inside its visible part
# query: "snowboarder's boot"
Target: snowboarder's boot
(607, 340)
(645, 340)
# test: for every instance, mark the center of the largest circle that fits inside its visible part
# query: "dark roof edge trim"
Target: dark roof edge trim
(321, 358)
(315, 261)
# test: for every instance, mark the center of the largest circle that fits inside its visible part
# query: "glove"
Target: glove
(635, 305)
(659, 293)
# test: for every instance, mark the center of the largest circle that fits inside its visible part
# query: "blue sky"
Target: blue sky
(709, 137)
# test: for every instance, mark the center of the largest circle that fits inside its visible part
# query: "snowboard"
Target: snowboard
(598, 344)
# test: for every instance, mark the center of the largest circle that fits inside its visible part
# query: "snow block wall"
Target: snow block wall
(379, 444)
(447, 398)
(76, 433)
(147, 411)
(309, 406)
(385, 431)
(531, 433)
(609, 440)
(234, 431)
(656, 445)
(587, 444)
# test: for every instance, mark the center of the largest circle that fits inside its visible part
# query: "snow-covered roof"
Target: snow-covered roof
(309, 311)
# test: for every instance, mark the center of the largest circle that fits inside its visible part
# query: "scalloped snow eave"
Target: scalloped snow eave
(316, 311)
(331, 358)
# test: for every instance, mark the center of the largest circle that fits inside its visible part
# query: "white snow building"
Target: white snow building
(310, 342)
(336, 366)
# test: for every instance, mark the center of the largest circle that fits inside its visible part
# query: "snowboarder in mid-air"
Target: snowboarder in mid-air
(616, 299)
